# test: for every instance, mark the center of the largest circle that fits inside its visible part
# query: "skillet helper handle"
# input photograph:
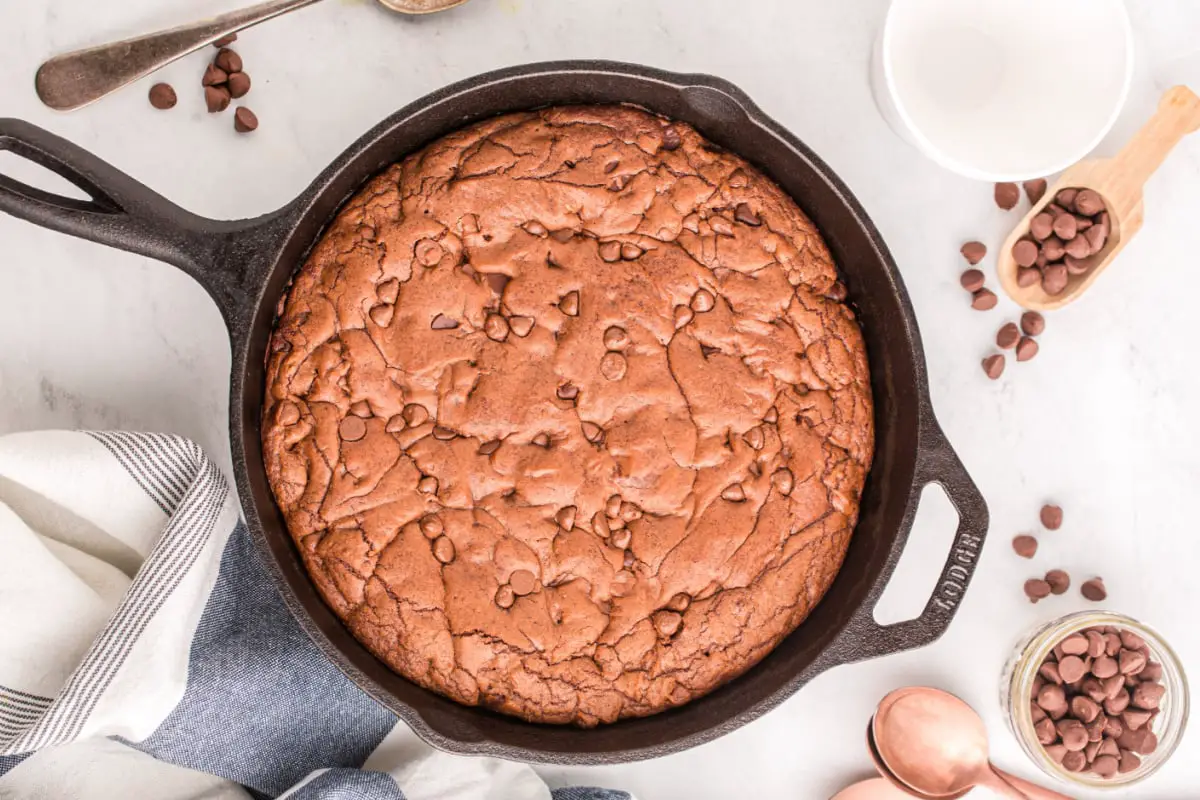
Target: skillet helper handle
(120, 212)
(75, 79)
(936, 463)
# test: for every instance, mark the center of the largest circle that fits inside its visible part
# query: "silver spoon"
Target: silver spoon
(75, 79)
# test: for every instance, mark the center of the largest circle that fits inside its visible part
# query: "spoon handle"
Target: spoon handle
(1178, 115)
(1030, 790)
(75, 79)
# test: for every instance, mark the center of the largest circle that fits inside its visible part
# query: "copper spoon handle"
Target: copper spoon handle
(1030, 790)
(75, 79)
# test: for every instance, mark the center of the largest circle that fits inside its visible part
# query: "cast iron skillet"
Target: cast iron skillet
(245, 266)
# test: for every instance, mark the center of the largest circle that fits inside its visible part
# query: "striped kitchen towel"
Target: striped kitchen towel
(138, 626)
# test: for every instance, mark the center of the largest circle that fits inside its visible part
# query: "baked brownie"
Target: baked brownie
(567, 417)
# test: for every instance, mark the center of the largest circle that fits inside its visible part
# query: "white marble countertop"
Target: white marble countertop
(1103, 419)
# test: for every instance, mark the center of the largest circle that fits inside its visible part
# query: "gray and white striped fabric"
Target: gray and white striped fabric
(133, 606)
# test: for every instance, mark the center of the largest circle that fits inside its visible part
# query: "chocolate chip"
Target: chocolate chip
(214, 76)
(1112, 643)
(225, 40)
(244, 120)
(667, 623)
(631, 252)
(1074, 645)
(523, 582)
(415, 415)
(1097, 237)
(600, 525)
(772, 416)
(1033, 323)
(613, 366)
(1085, 709)
(487, 448)
(428, 252)
(610, 251)
(505, 596)
(993, 366)
(683, 315)
(671, 138)
(592, 432)
(1035, 189)
(1074, 735)
(972, 280)
(1096, 647)
(1027, 348)
(1105, 666)
(1129, 762)
(1049, 673)
(431, 526)
(521, 326)
(734, 493)
(239, 85)
(1114, 706)
(382, 314)
(1094, 590)
(1025, 253)
(616, 338)
(1059, 581)
(974, 252)
(1028, 276)
(1076, 249)
(1007, 336)
(1152, 672)
(1131, 662)
(569, 304)
(679, 602)
(443, 323)
(1051, 517)
(228, 60)
(1041, 226)
(1055, 279)
(755, 437)
(216, 98)
(1147, 695)
(984, 300)
(444, 434)
(351, 429)
(568, 391)
(1088, 202)
(1046, 732)
(1071, 668)
(1006, 195)
(288, 413)
(703, 301)
(1025, 546)
(745, 215)
(621, 538)
(388, 290)
(1053, 249)
(162, 96)
(1105, 766)
(1036, 589)
(1093, 688)
(721, 225)
(496, 327)
(1065, 227)
(1066, 198)
(1056, 752)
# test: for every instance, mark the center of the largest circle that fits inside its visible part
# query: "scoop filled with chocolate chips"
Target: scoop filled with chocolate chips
(1073, 232)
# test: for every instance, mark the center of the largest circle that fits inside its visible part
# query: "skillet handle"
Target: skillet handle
(120, 211)
(936, 463)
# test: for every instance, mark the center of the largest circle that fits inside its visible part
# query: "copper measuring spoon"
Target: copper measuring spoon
(76, 79)
(934, 745)
(1119, 182)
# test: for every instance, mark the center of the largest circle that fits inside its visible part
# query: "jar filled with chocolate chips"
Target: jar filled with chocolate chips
(1096, 699)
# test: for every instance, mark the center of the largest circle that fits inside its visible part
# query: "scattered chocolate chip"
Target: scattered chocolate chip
(972, 280)
(443, 323)
(1007, 195)
(1094, 590)
(703, 301)
(351, 429)
(228, 60)
(244, 120)
(239, 85)
(783, 480)
(162, 96)
(1025, 546)
(1008, 336)
(1051, 517)
(496, 327)
(1035, 189)
(1036, 589)
(1033, 323)
(1059, 581)
(214, 76)
(974, 252)
(993, 366)
(216, 98)
(984, 300)
(745, 215)
(521, 326)
(671, 139)
(487, 448)
(569, 304)
(1027, 348)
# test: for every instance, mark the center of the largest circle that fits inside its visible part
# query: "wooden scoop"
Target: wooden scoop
(1119, 182)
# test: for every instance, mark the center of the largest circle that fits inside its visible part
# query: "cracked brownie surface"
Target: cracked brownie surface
(567, 416)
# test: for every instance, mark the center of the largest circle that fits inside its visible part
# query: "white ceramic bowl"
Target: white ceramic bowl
(1003, 90)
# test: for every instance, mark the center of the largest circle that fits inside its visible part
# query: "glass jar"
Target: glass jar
(1017, 683)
